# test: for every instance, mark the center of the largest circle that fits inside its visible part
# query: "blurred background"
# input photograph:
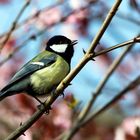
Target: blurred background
(78, 20)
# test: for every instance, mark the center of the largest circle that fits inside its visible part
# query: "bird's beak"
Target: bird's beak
(74, 42)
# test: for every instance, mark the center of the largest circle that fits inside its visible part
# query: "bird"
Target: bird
(42, 74)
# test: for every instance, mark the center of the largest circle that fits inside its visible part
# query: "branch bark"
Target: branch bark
(14, 25)
(34, 36)
(132, 41)
(83, 114)
(88, 56)
(131, 86)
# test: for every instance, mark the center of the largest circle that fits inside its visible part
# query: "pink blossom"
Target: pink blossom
(130, 125)
(48, 18)
(63, 116)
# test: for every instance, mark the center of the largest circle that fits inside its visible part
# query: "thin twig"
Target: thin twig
(131, 86)
(69, 134)
(129, 18)
(131, 41)
(35, 15)
(19, 47)
(14, 25)
(122, 15)
(35, 36)
(90, 53)
(105, 25)
(134, 40)
(19, 131)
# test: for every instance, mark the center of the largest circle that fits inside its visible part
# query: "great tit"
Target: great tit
(42, 74)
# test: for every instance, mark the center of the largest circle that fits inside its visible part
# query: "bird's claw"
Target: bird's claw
(47, 111)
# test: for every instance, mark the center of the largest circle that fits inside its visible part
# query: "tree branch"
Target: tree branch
(129, 42)
(131, 86)
(129, 18)
(132, 41)
(104, 25)
(90, 53)
(83, 114)
(35, 15)
(17, 48)
(14, 25)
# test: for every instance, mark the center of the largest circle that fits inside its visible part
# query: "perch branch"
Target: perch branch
(14, 25)
(90, 53)
(83, 114)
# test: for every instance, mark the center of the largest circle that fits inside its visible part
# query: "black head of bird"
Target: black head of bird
(62, 46)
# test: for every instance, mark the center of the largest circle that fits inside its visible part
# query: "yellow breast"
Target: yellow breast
(46, 79)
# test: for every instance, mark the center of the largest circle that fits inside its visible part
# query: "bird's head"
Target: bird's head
(62, 46)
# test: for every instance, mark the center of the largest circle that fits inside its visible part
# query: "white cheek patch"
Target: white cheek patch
(60, 48)
(38, 63)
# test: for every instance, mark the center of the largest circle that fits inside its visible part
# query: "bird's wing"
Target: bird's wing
(30, 68)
